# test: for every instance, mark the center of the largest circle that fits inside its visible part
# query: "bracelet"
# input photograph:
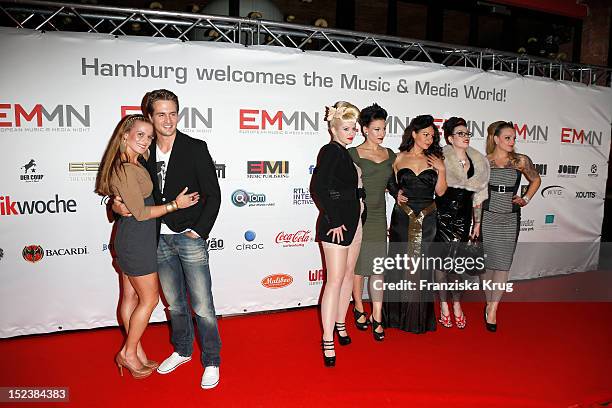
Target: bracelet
(171, 207)
(526, 199)
(477, 215)
(174, 205)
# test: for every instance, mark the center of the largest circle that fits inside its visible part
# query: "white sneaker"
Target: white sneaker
(210, 378)
(170, 364)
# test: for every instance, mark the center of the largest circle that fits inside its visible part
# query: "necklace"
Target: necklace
(462, 162)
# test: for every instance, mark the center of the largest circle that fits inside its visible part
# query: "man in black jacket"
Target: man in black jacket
(178, 161)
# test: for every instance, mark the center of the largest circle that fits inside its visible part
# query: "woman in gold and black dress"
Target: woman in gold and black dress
(419, 173)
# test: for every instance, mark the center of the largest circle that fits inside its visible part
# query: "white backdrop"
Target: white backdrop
(62, 95)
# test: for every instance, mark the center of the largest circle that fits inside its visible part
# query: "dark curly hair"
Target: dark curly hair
(450, 124)
(419, 123)
(370, 114)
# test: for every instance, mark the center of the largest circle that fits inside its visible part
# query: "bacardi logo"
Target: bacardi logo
(32, 253)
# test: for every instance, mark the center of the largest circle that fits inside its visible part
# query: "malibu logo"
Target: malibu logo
(294, 239)
(277, 281)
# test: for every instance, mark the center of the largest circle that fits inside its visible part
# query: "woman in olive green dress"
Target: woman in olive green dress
(376, 164)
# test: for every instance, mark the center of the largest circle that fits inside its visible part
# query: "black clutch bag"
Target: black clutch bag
(473, 252)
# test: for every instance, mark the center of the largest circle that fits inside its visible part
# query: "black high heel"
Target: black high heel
(343, 340)
(492, 327)
(358, 315)
(377, 336)
(328, 345)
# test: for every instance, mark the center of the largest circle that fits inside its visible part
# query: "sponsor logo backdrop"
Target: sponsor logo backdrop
(261, 112)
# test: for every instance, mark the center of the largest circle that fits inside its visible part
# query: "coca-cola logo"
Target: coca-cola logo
(277, 281)
(294, 239)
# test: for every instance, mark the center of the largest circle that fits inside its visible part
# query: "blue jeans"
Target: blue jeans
(183, 267)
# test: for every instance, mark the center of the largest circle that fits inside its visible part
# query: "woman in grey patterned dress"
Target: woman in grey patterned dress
(501, 211)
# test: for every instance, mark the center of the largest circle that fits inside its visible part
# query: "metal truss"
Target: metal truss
(51, 16)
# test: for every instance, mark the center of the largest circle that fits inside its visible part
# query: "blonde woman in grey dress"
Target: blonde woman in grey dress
(501, 211)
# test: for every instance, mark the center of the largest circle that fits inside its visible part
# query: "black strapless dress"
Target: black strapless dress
(413, 226)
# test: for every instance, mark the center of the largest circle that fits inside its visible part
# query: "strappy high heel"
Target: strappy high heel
(378, 336)
(343, 340)
(358, 315)
(328, 345)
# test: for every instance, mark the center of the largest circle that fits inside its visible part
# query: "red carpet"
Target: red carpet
(544, 355)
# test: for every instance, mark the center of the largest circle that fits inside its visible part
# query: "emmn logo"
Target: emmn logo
(38, 117)
(267, 169)
(190, 118)
(263, 121)
(580, 137)
(531, 133)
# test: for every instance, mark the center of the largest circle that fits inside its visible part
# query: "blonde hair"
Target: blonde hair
(494, 129)
(341, 110)
(113, 157)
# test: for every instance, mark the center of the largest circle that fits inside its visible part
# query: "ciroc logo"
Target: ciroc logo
(250, 245)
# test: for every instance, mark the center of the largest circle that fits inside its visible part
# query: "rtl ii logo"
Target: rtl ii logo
(19, 116)
(267, 169)
(278, 121)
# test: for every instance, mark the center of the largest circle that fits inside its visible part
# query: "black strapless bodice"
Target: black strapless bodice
(419, 188)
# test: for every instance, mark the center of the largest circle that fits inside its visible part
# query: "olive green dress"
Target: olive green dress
(375, 177)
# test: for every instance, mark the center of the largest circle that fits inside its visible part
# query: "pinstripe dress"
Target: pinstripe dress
(501, 218)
